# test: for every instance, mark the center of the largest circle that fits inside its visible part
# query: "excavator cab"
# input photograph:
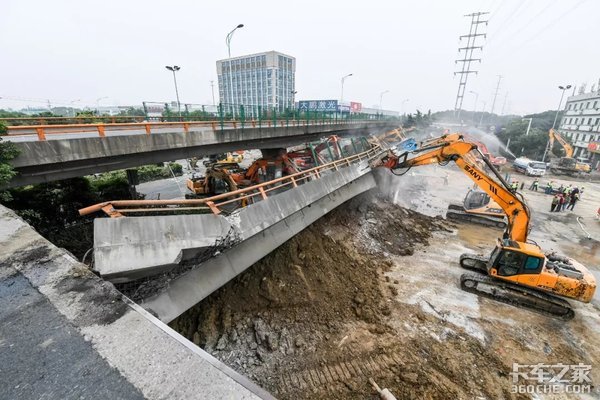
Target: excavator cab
(476, 199)
(507, 260)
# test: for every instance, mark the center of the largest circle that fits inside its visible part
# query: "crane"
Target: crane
(517, 271)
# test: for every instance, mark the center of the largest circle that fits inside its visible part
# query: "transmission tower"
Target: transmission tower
(467, 57)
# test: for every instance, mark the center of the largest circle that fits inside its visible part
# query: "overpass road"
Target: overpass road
(54, 152)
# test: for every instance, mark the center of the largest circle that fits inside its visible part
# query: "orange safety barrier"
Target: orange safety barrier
(102, 129)
(117, 208)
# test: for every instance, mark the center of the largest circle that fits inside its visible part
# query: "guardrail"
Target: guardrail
(54, 120)
(101, 130)
(214, 204)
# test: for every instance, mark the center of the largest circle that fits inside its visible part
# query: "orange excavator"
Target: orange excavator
(567, 164)
(227, 177)
(477, 207)
(517, 271)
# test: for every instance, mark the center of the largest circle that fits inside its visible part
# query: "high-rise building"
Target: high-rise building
(263, 79)
(581, 122)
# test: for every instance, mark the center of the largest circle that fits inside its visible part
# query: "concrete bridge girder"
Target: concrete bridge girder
(45, 161)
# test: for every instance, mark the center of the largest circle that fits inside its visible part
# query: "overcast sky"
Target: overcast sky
(83, 50)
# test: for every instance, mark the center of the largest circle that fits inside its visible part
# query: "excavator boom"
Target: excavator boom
(517, 272)
(454, 149)
(565, 145)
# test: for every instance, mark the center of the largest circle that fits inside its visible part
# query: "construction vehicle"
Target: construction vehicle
(218, 179)
(517, 271)
(224, 158)
(566, 165)
(227, 177)
(497, 161)
(478, 208)
(529, 167)
(274, 164)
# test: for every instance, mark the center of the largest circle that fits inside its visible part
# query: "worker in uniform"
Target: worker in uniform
(549, 187)
(534, 185)
(554, 204)
(514, 186)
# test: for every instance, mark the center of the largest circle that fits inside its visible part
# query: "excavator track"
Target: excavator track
(474, 262)
(457, 213)
(516, 295)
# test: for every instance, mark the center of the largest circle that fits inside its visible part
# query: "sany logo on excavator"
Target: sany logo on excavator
(473, 173)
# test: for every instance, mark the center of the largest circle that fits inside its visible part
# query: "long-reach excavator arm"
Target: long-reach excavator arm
(452, 148)
(552, 134)
(516, 272)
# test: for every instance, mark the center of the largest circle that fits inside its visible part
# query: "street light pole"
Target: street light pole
(98, 104)
(342, 94)
(482, 113)
(404, 101)
(381, 100)
(228, 43)
(228, 39)
(212, 89)
(528, 126)
(563, 88)
(174, 69)
(72, 106)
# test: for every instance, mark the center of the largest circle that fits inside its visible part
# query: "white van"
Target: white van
(529, 167)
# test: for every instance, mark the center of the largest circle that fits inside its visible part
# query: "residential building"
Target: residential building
(581, 122)
(263, 79)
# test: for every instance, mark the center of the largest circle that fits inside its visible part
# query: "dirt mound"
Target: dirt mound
(310, 320)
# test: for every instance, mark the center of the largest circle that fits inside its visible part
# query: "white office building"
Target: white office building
(262, 79)
(581, 122)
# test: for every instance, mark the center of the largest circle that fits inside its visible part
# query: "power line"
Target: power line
(467, 57)
(520, 45)
(523, 27)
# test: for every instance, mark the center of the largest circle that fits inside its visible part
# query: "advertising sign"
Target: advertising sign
(594, 147)
(318, 105)
(355, 107)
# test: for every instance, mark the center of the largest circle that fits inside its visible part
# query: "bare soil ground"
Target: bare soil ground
(361, 294)
(371, 290)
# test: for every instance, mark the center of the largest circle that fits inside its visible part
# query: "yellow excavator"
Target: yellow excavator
(517, 271)
(477, 207)
(567, 164)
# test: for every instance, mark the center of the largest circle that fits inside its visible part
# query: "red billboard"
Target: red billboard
(355, 107)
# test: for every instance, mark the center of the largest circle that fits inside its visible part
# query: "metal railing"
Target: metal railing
(62, 120)
(102, 130)
(237, 198)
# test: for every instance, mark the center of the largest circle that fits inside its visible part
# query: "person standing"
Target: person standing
(574, 199)
(561, 202)
(554, 204)
(534, 185)
(549, 188)
(514, 186)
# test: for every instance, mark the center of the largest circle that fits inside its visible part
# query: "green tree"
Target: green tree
(8, 151)
(132, 112)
